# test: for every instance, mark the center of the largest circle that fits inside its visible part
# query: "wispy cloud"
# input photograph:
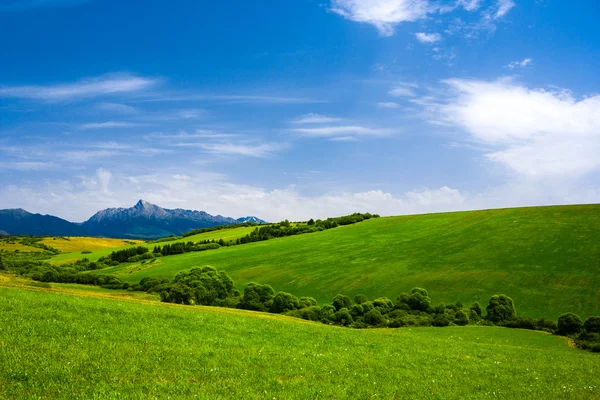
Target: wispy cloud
(108, 125)
(348, 130)
(428, 38)
(402, 91)
(233, 99)
(388, 104)
(264, 150)
(117, 108)
(315, 119)
(100, 86)
(522, 63)
(199, 134)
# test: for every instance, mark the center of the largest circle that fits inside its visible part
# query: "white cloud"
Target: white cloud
(503, 7)
(388, 104)
(100, 86)
(401, 91)
(428, 37)
(469, 5)
(383, 14)
(263, 150)
(78, 200)
(332, 131)
(117, 108)
(108, 125)
(536, 133)
(315, 119)
(521, 64)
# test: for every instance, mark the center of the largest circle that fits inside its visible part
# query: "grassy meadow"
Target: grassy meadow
(545, 258)
(56, 345)
(78, 244)
(101, 251)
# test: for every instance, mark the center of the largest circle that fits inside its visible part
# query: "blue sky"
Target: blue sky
(297, 109)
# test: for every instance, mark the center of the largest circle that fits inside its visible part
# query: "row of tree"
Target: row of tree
(286, 228)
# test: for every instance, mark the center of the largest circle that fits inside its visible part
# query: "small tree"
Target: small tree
(500, 308)
(283, 302)
(343, 317)
(592, 325)
(419, 299)
(257, 297)
(311, 222)
(461, 318)
(476, 308)
(2, 266)
(340, 301)
(569, 324)
(374, 318)
(360, 298)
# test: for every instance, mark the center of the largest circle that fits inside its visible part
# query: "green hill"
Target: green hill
(54, 345)
(546, 258)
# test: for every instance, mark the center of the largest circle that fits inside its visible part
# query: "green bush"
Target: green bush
(343, 317)
(441, 320)
(461, 318)
(341, 301)
(500, 308)
(257, 297)
(592, 324)
(374, 318)
(283, 302)
(569, 324)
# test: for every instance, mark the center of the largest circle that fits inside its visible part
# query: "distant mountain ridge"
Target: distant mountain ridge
(144, 221)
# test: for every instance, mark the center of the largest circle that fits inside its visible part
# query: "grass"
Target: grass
(54, 345)
(545, 258)
(96, 253)
(77, 244)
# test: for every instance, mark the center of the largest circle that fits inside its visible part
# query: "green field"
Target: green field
(96, 253)
(54, 345)
(546, 258)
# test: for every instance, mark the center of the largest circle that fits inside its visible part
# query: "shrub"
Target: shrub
(356, 310)
(341, 301)
(441, 320)
(383, 304)
(500, 308)
(257, 297)
(592, 324)
(327, 315)
(374, 318)
(461, 318)
(596, 348)
(283, 302)
(343, 317)
(307, 302)
(312, 313)
(360, 298)
(177, 293)
(419, 299)
(476, 308)
(569, 324)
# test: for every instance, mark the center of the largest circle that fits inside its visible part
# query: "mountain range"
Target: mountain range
(142, 221)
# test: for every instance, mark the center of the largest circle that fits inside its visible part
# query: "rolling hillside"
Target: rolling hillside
(62, 346)
(546, 258)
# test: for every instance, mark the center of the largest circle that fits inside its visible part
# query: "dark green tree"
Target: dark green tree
(343, 317)
(569, 324)
(340, 301)
(360, 298)
(461, 318)
(592, 325)
(374, 318)
(500, 308)
(257, 297)
(2, 266)
(476, 308)
(284, 302)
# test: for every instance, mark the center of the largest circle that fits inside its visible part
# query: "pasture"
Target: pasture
(63, 346)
